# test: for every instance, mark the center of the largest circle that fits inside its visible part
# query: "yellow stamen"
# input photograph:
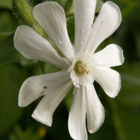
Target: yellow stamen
(81, 68)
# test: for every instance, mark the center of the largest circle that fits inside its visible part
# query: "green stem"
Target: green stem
(25, 11)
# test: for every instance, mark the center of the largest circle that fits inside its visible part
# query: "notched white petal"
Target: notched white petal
(36, 86)
(84, 11)
(95, 110)
(107, 22)
(109, 80)
(51, 16)
(31, 89)
(45, 109)
(33, 46)
(110, 56)
(77, 115)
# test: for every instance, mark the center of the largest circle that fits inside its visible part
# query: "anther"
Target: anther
(82, 68)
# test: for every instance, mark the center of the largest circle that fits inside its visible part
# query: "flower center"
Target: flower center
(80, 68)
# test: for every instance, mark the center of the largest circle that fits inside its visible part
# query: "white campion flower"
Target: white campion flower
(80, 64)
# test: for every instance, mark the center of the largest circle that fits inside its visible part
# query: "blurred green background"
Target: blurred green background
(122, 120)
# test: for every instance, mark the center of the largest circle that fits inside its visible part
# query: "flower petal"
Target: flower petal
(33, 46)
(105, 25)
(36, 86)
(95, 110)
(45, 109)
(52, 18)
(84, 15)
(109, 80)
(77, 115)
(110, 56)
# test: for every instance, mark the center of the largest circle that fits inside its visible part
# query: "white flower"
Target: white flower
(80, 64)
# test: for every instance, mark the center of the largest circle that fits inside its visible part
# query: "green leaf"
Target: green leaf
(6, 4)
(47, 67)
(71, 28)
(130, 91)
(7, 25)
(98, 6)
(68, 99)
(126, 120)
(11, 80)
(8, 53)
(68, 5)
